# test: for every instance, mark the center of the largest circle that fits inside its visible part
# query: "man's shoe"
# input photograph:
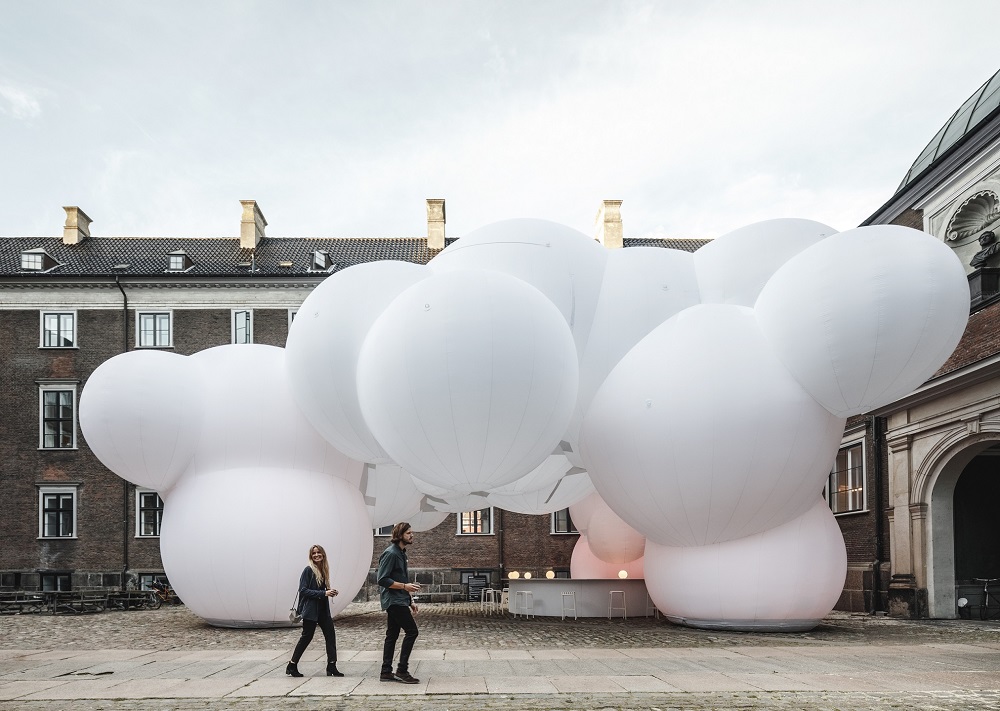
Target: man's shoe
(387, 677)
(406, 678)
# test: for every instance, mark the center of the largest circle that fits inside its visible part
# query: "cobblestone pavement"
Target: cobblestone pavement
(152, 660)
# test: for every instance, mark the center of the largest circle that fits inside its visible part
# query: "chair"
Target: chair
(524, 602)
(572, 597)
(650, 605)
(612, 606)
(503, 605)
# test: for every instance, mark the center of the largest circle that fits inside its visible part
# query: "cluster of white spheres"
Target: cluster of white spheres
(703, 396)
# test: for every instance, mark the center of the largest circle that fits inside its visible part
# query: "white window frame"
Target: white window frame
(552, 524)
(139, 492)
(458, 521)
(232, 325)
(44, 491)
(291, 316)
(379, 531)
(830, 492)
(56, 312)
(139, 313)
(55, 387)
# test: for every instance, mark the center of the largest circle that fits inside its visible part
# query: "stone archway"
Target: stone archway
(937, 492)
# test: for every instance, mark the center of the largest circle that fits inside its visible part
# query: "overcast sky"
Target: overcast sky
(341, 118)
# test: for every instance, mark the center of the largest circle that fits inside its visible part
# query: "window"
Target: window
(56, 582)
(384, 531)
(472, 523)
(178, 261)
(154, 330)
(321, 261)
(36, 260)
(149, 513)
(146, 580)
(291, 316)
(57, 512)
(846, 489)
(242, 326)
(58, 329)
(57, 404)
(562, 522)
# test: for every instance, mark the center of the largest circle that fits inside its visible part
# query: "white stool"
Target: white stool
(650, 605)
(572, 596)
(504, 602)
(488, 600)
(612, 606)
(524, 602)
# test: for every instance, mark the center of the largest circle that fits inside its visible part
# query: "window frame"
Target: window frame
(458, 521)
(831, 490)
(378, 532)
(56, 387)
(58, 490)
(291, 316)
(233, 327)
(573, 531)
(139, 493)
(42, 331)
(139, 313)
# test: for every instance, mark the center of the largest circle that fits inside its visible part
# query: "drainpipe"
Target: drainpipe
(499, 513)
(878, 437)
(125, 497)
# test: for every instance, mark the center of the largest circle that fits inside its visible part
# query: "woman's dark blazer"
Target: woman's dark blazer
(312, 597)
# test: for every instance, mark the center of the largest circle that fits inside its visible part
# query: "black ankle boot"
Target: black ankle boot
(293, 669)
(331, 670)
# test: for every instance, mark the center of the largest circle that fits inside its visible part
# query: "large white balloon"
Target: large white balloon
(555, 497)
(642, 288)
(426, 520)
(701, 435)
(235, 542)
(733, 268)
(587, 566)
(611, 539)
(785, 579)
(140, 415)
(582, 511)
(468, 379)
(250, 419)
(867, 315)
(390, 494)
(323, 346)
(562, 263)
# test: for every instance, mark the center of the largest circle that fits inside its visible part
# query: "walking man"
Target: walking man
(393, 579)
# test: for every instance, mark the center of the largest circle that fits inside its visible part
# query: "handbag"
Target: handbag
(293, 612)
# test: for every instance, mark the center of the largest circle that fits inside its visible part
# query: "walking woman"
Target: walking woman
(314, 606)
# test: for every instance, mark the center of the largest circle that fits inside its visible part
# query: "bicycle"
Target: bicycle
(984, 610)
(161, 593)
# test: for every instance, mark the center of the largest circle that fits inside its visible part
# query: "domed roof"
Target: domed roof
(969, 115)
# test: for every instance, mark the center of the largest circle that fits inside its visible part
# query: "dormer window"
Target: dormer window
(321, 261)
(37, 260)
(178, 261)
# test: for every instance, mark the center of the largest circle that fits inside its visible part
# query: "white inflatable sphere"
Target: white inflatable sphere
(555, 497)
(468, 379)
(582, 510)
(390, 494)
(611, 539)
(234, 542)
(562, 263)
(642, 288)
(584, 565)
(700, 434)
(864, 317)
(452, 502)
(323, 346)
(250, 419)
(141, 416)
(426, 520)
(785, 579)
(545, 476)
(733, 268)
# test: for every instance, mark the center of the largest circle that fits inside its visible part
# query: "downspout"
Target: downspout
(878, 437)
(125, 497)
(499, 513)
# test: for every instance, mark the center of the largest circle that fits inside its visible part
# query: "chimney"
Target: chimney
(609, 224)
(435, 224)
(251, 225)
(77, 227)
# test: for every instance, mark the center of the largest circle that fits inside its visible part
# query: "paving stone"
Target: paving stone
(642, 683)
(263, 688)
(17, 689)
(704, 681)
(585, 684)
(519, 685)
(456, 685)
(327, 686)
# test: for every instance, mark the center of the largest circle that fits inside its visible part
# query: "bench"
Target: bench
(19, 603)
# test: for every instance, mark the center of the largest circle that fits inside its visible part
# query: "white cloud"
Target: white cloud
(19, 103)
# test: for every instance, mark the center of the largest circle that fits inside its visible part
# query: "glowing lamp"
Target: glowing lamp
(513, 575)
(623, 574)
(550, 574)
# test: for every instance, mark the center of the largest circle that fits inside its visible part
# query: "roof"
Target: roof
(223, 257)
(976, 109)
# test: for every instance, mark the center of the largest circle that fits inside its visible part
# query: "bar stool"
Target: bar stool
(572, 596)
(612, 606)
(503, 605)
(524, 601)
(488, 601)
(650, 605)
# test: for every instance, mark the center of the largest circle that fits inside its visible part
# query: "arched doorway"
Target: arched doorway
(962, 534)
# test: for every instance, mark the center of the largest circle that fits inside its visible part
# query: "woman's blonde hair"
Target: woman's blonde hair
(322, 571)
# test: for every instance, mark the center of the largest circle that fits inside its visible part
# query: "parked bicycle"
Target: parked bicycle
(161, 593)
(984, 612)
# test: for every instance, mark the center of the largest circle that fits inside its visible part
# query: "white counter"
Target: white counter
(591, 596)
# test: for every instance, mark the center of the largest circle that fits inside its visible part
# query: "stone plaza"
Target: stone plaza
(468, 658)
